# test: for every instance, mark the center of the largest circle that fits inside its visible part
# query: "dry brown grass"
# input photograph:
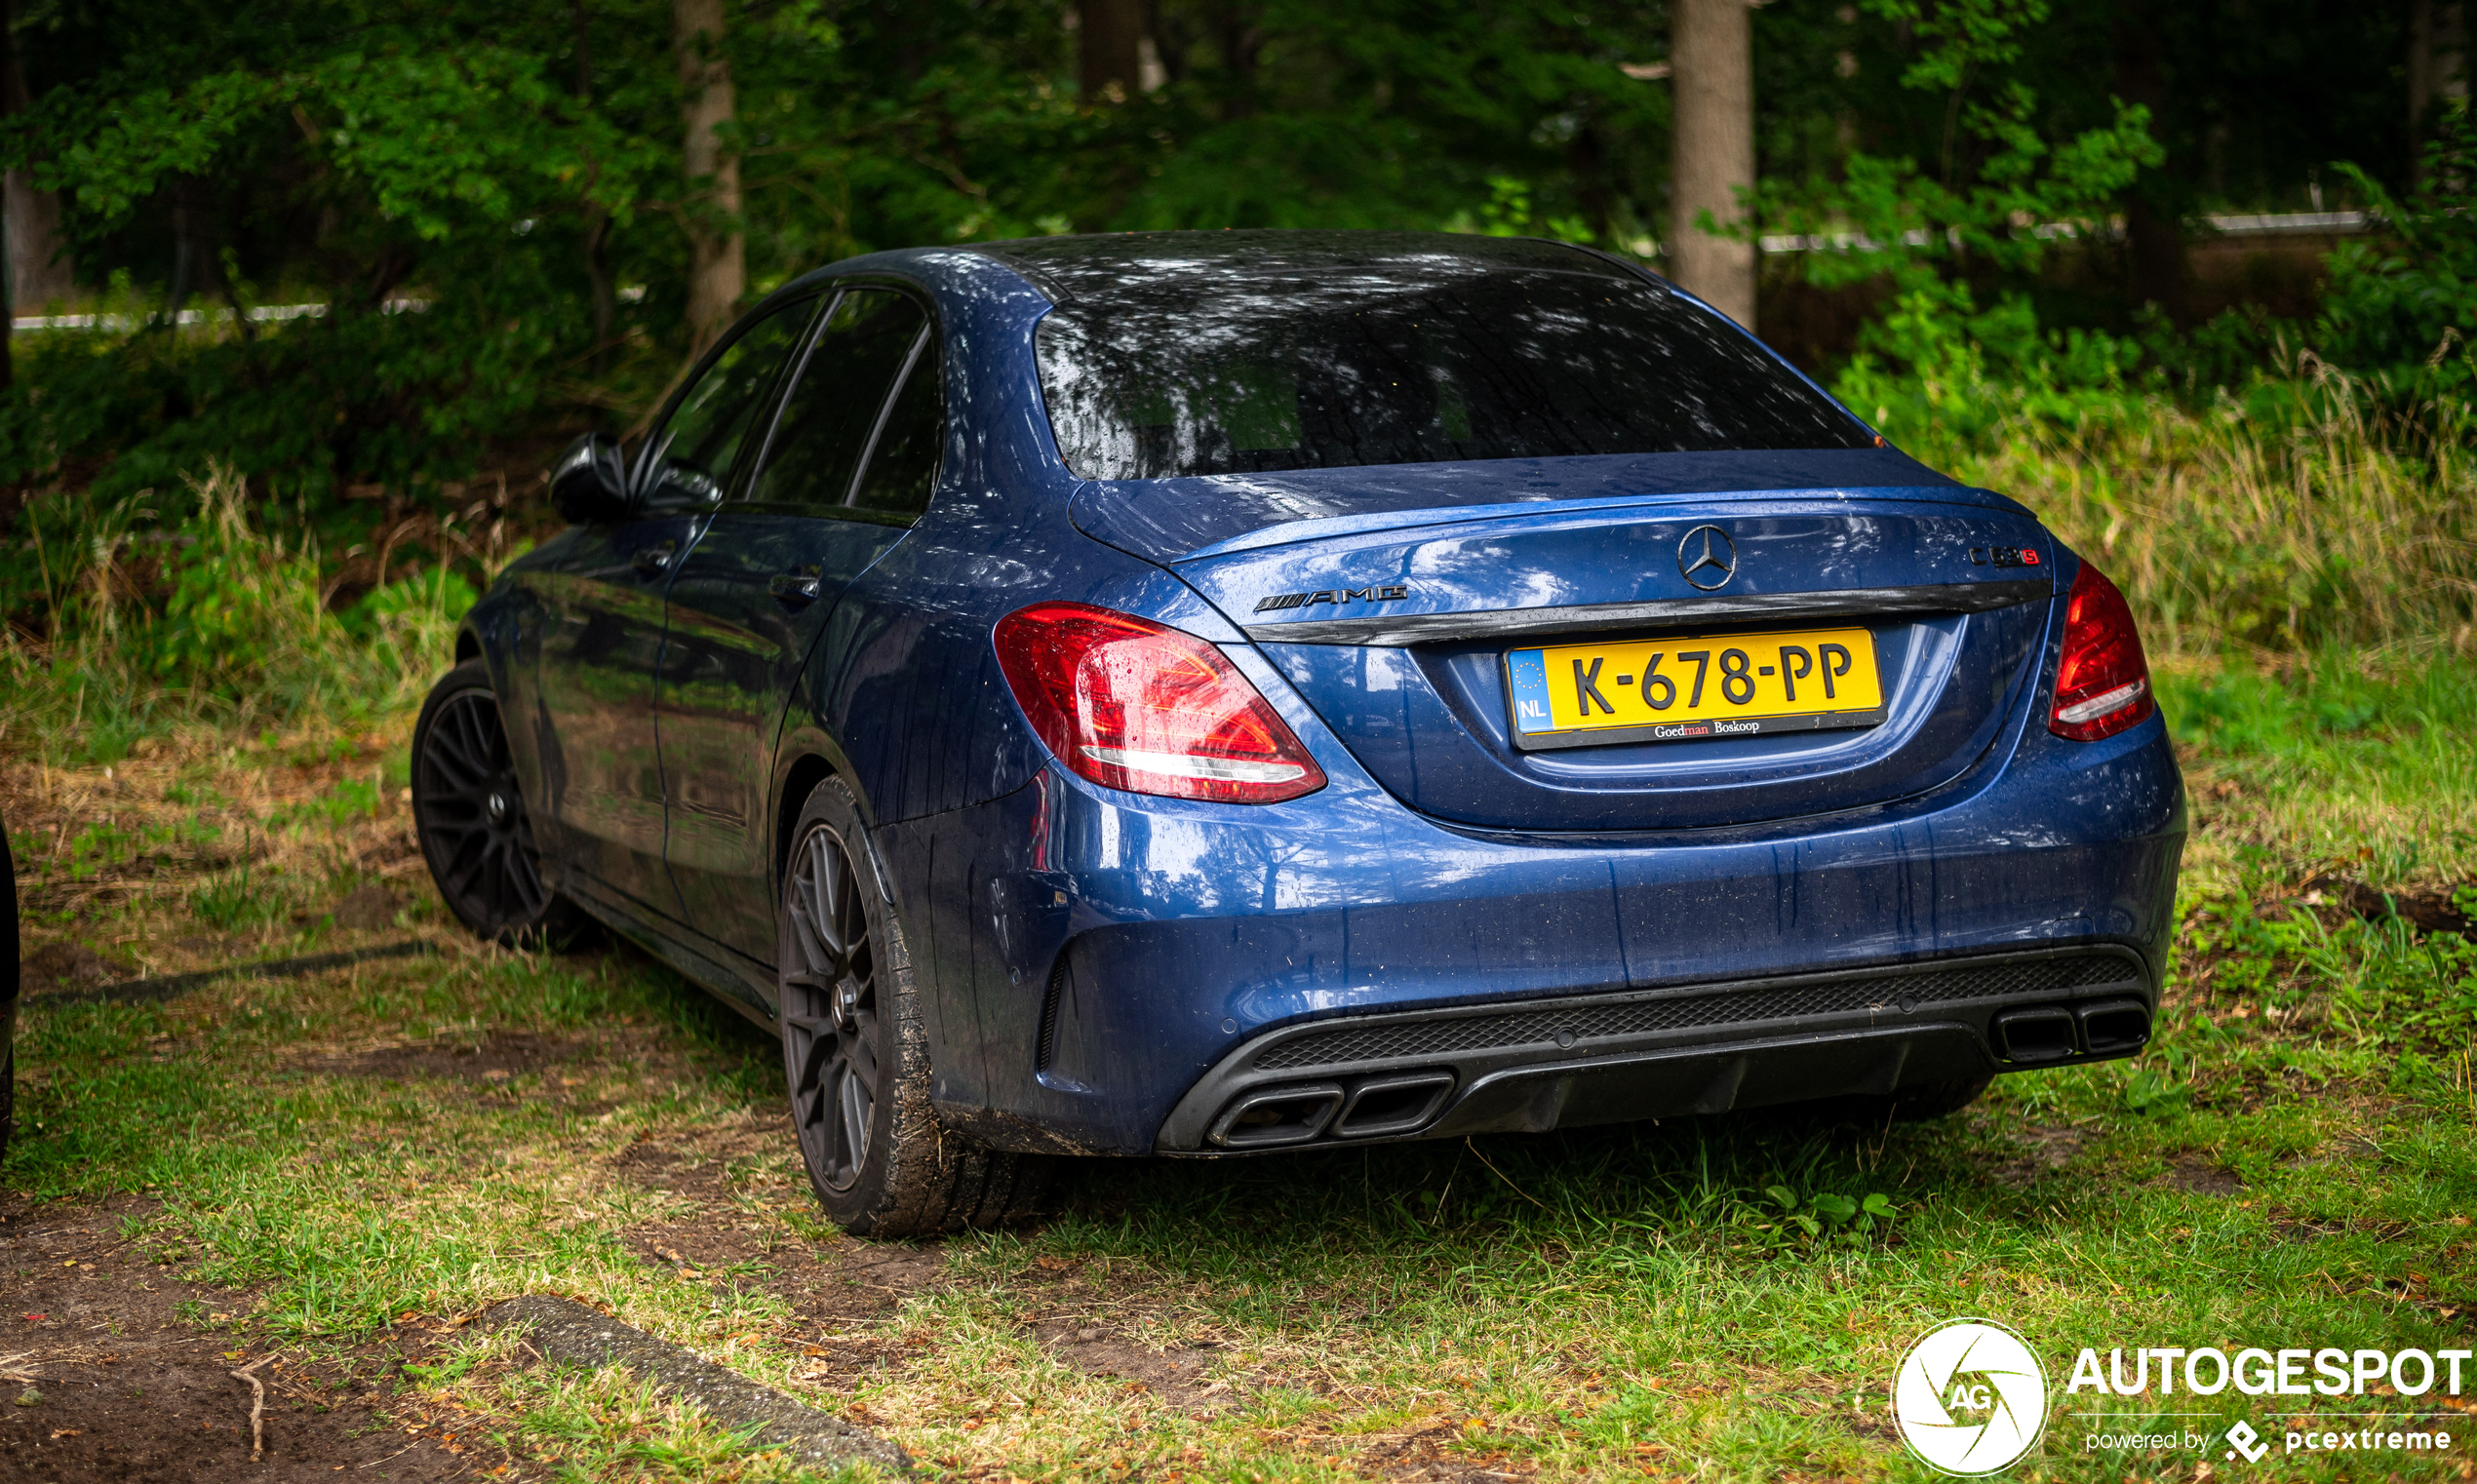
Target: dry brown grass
(2330, 523)
(113, 858)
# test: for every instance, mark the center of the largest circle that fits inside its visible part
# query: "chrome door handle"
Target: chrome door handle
(794, 587)
(653, 561)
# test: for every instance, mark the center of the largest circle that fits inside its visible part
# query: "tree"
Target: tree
(1113, 37)
(2437, 59)
(40, 269)
(2003, 190)
(718, 252)
(1711, 57)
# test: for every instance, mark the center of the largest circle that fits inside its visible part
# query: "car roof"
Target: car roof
(1071, 267)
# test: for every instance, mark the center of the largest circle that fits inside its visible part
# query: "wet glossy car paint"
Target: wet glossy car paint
(1088, 955)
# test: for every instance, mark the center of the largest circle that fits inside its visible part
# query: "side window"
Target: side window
(835, 406)
(694, 453)
(903, 466)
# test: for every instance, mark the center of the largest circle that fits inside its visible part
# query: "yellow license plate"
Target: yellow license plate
(1687, 690)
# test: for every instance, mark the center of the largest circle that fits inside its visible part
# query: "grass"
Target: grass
(208, 609)
(2292, 1163)
(2328, 761)
(387, 1148)
(2306, 514)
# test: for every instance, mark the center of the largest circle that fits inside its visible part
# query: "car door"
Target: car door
(602, 619)
(852, 458)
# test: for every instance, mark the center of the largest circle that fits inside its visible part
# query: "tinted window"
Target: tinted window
(1406, 361)
(903, 468)
(697, 448)
(835, 406)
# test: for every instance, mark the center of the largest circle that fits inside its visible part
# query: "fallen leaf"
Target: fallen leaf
(61, 1432)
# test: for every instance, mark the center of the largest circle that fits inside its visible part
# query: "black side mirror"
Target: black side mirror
(590, 481)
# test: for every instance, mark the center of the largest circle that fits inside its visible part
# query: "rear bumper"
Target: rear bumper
(1105, 972)
(1534, 1066)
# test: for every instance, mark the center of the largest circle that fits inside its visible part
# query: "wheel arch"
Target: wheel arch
(808, 770)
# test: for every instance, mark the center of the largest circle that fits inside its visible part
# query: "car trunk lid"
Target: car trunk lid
(1397, 622)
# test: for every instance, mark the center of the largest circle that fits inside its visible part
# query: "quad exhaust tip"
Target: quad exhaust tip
(1393, 1105)
(1274, 1116)
(2043, 1033)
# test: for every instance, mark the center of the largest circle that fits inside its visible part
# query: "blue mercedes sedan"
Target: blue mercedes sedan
(1210, 693)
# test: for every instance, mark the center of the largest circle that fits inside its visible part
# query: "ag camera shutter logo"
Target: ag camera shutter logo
(1970, 1398)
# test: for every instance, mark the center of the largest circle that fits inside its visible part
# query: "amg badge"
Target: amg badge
(1334, 595)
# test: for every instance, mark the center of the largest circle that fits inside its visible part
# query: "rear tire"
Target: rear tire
(476, 833)
(855, 1056)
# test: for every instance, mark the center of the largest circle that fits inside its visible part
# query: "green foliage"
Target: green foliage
(2005, 179)
(213, 616)
(238, 900)
(1825, 1215)
(2407, 300)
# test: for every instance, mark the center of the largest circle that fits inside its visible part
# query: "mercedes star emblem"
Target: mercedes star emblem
(1706, 557)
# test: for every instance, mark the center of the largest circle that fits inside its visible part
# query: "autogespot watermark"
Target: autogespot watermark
(2303, 1370)
(1971, 1396)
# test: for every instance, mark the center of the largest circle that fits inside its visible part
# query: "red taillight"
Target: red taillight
(1134, 705)
(2104, 684)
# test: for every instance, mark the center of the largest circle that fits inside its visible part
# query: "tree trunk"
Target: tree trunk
(605, 303)
(1240, 39)
(39, 267)
(718, 256)
(1711, 55)
(2437, 41)
(1113, 36)
(2154, 226)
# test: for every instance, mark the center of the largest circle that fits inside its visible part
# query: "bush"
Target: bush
(218, 618)
(2404, 302)
(2304, 514)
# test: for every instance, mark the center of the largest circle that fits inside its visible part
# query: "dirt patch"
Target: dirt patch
(1422, 1453)
(67, 965)
(832, 1288)
(2197, 1175)
(702, 1171)
(2049, 1147)
(2433, 912)
(124, 1386)
(498, 1057)
(368, 908)
(1181, 1375)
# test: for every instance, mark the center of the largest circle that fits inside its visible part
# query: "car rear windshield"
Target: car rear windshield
(1168, 374)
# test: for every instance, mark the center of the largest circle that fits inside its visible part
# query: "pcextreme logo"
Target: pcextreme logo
(1970, 1398)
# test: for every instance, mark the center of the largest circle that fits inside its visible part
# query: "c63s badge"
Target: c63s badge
(1333, 595)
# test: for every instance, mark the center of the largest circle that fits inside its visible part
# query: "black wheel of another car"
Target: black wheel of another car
(857, 1058)
(471, 817)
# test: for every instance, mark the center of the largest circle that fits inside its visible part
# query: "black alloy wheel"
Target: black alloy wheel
(834, 1044)
(470, 813)
(856, 1054)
